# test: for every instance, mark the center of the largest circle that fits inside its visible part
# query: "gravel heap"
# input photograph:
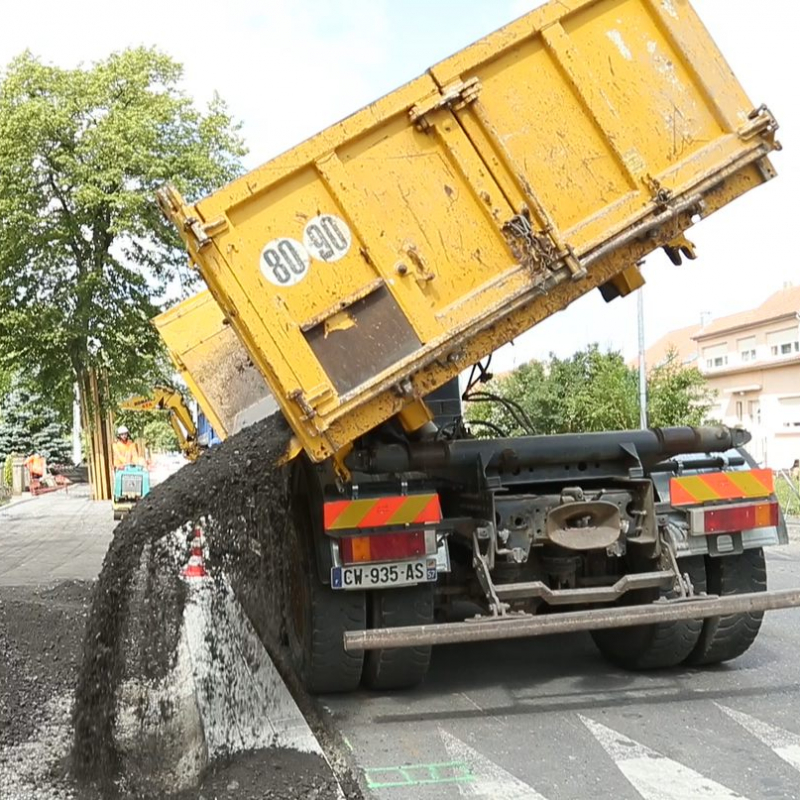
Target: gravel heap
(240, 499)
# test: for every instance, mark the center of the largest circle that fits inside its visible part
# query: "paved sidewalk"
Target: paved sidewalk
(54, 537)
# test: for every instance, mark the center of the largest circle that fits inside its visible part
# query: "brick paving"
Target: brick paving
(58, 536)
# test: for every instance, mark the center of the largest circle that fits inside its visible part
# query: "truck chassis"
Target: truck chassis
(523, 537)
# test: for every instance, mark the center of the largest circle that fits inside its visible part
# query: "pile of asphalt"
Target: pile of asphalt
(40, 648)
(240, 500)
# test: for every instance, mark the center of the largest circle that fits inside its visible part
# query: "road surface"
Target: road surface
(549, 718)
(523, 720)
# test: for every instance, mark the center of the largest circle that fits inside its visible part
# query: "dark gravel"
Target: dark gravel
(266, 775)
(41, 632)
(238, 496)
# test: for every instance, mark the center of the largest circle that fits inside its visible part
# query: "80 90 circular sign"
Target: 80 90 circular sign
(284, 262)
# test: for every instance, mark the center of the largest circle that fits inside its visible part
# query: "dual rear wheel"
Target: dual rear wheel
(318, 616)
(694, 642)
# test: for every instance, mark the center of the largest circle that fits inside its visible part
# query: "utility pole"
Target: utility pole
(642, 363)
(77, 455)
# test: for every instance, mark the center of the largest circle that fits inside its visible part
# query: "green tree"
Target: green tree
(29, 425)
(85, 256)
(590, 391)
(153, 427)
(677, 395)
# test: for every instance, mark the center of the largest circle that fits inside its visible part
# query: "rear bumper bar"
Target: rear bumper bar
(524, 625)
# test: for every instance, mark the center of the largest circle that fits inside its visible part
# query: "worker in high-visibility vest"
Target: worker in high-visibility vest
(125, 451)
(36, 466)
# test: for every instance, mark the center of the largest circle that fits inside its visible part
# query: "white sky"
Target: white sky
(288, 69)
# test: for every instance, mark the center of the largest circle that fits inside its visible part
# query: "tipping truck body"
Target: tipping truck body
(366, 268)
(229, 390)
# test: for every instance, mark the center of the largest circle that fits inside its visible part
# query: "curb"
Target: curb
(224, 694)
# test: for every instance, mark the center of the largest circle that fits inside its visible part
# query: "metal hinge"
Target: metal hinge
(175, 209)
(454, 96)
(299, 397)
(761, 122)
(203, 234)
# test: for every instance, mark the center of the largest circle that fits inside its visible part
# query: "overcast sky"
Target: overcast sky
(288, 69)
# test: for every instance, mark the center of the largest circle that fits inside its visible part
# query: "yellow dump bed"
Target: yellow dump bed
(216, 368)
(372, 263)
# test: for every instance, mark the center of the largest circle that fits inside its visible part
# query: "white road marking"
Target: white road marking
(783, 743)
(491, 780)
(652, 774)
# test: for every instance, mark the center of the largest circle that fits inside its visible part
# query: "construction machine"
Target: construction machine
(131, 484)
(165, 398)
(368, 267)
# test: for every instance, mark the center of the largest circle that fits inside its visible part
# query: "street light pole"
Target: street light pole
(642, 363)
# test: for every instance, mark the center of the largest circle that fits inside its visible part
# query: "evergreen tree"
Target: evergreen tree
(28, 425)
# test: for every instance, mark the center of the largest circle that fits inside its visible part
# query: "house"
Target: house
(752, 361)
(680, 341)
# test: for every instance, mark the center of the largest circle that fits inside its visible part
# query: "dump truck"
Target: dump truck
(367, 268)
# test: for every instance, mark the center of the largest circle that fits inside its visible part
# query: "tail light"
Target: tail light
(730, 519)
(382, 547)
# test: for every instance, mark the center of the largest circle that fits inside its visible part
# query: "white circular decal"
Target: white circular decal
(284, 262)
(327, 238)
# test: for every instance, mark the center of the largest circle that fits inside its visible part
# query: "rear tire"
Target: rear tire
(659, 646)
(725, 638)
(316, 615)
(400, 668)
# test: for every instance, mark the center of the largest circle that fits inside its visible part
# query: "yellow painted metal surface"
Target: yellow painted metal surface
(375, 261)
(212, 362)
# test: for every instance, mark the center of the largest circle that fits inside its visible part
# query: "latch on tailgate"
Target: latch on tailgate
(175, 209)
(760, 122)
(454, 96)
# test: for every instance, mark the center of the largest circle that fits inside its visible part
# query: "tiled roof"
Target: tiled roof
(681, 340)
(783, 302)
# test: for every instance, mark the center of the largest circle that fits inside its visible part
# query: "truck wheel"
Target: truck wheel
(316, 615)
(404, 667)
(659, 646)
(724, 638)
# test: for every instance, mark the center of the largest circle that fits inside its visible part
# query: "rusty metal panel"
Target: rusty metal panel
(530, 168)
(220, 375)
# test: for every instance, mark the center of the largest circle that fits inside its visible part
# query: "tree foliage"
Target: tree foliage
(85, 256)
(28, 424)
(153, 427)
(592, 391)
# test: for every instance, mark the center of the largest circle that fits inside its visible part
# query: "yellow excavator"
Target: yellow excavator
(164, 398)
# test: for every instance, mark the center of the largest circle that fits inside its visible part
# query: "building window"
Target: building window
(747, 349)
(754, 412)
(790, 412)
(716, 356)
(784, 343)
(739, 410)
(785, 349)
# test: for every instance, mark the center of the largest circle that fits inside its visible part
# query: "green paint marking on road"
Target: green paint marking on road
(418, 775)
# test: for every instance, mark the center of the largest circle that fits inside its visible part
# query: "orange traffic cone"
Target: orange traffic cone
(196, 567)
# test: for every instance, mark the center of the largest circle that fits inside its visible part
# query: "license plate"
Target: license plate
(370, 576)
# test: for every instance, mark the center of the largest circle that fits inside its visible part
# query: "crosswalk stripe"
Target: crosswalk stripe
(783, 743)
(491, 781)
(652, 774)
